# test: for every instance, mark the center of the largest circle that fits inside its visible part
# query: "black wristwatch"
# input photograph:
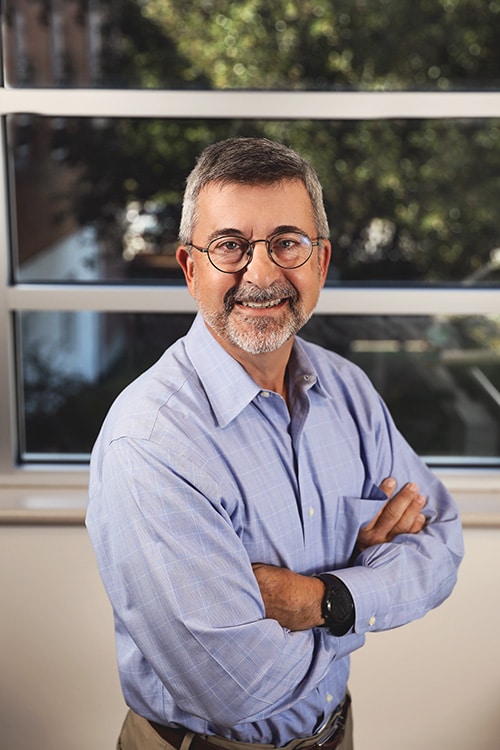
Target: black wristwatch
(337, 606)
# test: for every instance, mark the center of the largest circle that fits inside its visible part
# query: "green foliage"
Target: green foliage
(408, 200)
(372, 44)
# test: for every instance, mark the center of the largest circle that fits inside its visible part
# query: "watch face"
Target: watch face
(338, 606)
(342, 606)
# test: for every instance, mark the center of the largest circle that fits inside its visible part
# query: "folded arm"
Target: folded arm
(295, 600)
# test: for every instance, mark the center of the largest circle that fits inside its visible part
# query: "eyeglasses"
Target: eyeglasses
(230, 254)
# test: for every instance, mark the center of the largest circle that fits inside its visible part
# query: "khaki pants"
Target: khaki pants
(138, 734)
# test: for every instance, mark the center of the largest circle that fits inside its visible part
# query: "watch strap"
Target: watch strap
(337, 606)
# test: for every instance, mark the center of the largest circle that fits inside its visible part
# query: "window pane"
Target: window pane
(409, 201)
(288, 44)
(73, 365)
(439, 375)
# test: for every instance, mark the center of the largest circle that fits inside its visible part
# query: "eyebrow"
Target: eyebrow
(226, 232)
(233, 232)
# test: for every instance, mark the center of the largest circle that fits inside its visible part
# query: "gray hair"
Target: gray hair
(249, 161)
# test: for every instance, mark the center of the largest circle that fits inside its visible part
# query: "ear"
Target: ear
(185, 261)
(324, 260)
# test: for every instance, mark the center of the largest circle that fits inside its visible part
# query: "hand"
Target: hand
(292, 599)
(295, 600)
(402, 514)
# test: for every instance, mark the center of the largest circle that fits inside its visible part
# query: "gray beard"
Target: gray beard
(258, 335)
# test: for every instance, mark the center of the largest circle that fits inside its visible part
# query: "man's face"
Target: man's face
(259, 309)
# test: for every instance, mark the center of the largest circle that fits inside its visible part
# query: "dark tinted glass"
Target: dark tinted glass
(74, 366)
(409, 201)
(253, 44)
(439, 375)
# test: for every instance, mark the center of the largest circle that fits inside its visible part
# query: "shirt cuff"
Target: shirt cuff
(370, 596)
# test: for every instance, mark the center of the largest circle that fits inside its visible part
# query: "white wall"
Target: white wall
(434, 684)
(58, 683)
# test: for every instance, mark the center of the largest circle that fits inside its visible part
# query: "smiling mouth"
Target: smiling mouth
(252, 297)
(261, 305)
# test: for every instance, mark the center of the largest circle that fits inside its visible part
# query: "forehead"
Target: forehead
(239, 205)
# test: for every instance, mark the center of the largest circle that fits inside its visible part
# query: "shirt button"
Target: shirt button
(372, 621)
(329, 697)
(265, 394)
(311, 512)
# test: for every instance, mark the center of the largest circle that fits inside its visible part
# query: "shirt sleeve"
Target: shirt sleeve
(181, 585)
(397, 582)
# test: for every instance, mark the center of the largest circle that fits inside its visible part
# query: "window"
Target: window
(105, 107)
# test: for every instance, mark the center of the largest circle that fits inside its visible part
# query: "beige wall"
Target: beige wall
(434, 684)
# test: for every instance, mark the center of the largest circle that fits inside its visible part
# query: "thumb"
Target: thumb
(388, 485)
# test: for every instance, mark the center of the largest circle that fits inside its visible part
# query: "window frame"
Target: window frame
(478, 488)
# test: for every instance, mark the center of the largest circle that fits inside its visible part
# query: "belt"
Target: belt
(327, 739)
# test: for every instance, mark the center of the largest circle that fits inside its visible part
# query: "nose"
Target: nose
(261, 270)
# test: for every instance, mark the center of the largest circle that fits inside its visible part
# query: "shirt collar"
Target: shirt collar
(228, 386)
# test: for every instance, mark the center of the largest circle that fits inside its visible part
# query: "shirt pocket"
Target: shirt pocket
(353, 513)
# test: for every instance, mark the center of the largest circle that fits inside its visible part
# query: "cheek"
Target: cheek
(309, 285)
(208, 288)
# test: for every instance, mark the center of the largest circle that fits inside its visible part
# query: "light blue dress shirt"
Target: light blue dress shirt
(197, 474)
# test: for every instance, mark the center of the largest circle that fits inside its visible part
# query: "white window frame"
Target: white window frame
(29, 492)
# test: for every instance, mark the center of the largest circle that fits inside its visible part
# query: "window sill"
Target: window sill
(48, 505)
(61, 499)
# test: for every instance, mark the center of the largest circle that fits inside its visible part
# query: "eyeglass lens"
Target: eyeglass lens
(288, 250)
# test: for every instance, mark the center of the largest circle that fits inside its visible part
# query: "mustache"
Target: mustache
(251, 293)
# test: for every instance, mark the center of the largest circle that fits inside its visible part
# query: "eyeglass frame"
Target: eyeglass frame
(251, 247)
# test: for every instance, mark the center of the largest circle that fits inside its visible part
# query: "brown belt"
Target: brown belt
(329, 739)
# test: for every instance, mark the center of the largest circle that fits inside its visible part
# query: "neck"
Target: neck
(268, 370)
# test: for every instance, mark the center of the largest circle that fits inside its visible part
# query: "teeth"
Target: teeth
(271, 303)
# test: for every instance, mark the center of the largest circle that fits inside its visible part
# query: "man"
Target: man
(243, 498)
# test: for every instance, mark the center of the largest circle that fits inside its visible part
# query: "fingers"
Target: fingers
(417, 525)
(388, 486)
(402, 514)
